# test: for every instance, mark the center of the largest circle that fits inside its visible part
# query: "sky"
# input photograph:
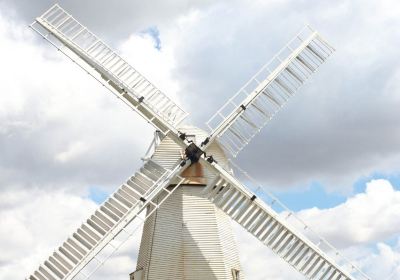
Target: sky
(332, 154)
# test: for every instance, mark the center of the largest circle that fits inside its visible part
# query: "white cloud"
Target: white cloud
(357, 227)
(366, 217)
(58, 126)
(379, 261)
(151, 62)
(60, 132)
(32, 224)
(74, 150)
(332, 131)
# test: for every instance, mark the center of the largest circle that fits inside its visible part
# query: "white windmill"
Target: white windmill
(185, 193)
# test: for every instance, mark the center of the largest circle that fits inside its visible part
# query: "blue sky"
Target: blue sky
(98, 195)
(155, 35)
(316, 195)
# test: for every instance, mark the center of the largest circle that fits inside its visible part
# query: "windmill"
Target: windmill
(185, 194)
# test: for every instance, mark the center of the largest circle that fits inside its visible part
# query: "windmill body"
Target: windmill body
(188, 237)
(185, 191)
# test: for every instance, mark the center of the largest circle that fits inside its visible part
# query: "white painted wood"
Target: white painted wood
(188, 238)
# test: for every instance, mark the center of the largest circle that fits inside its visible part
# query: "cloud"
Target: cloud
(33, 223)
(74, 150)
(58, 126)
(61, 133)
(342, 125)
(364, 218)
(344, 122)
(109, 20)
(154, 63)
(41, 219)
(379, 261)
(332, 131)
(356, 227)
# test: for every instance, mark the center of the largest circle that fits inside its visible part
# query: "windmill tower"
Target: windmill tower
(185, 190)
(188, 237)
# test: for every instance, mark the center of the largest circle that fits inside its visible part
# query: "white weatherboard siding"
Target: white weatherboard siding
(160, 254)
(188, 237)
(209, 247)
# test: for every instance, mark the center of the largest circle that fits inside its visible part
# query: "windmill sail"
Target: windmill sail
(89, 52)
(243, 116)
(79, 254)
(272, 230)
(233, 125)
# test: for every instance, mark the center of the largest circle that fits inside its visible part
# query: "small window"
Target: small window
(235, 274)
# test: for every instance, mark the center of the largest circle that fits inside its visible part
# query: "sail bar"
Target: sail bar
(61, 29)
(248, 111)
(118, 218)
(312, 258)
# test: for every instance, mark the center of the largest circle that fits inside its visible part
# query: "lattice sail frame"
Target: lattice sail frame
(282, 232)
(62, 29)
(115, 220)
(250, 109)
